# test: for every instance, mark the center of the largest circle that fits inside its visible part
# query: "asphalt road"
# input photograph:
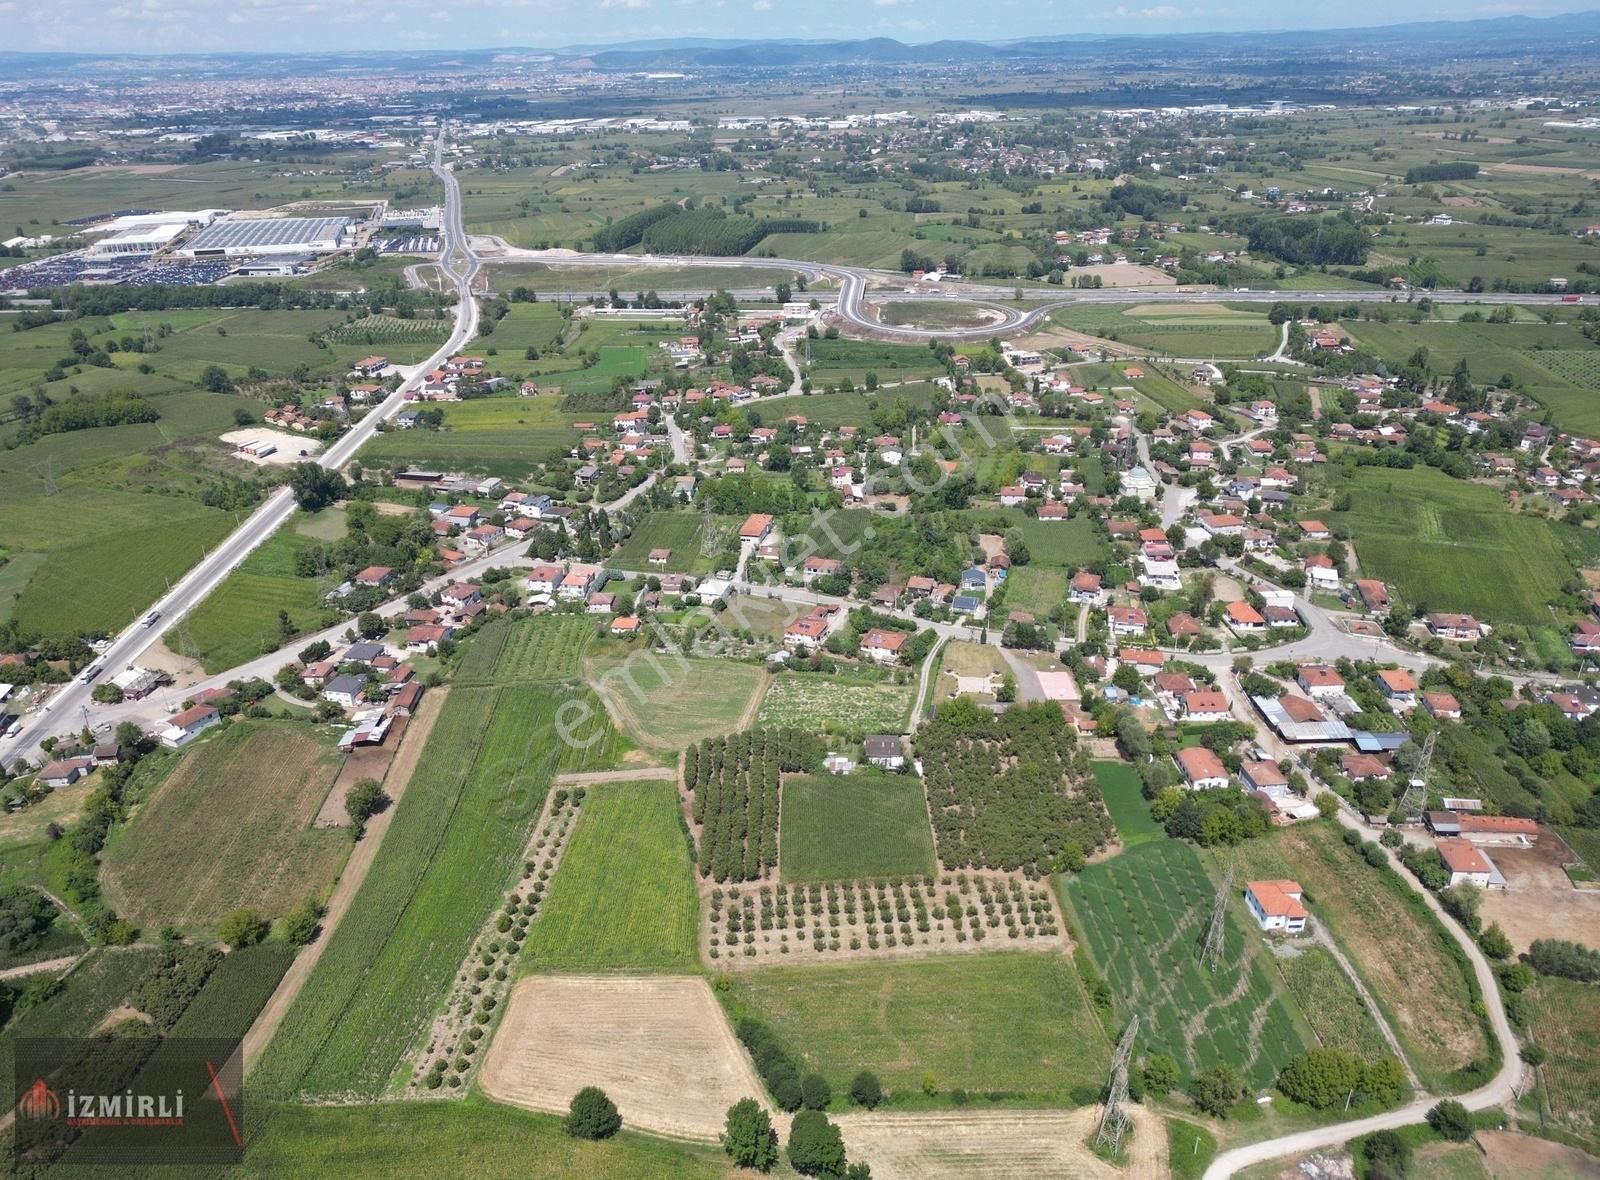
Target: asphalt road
(65, 712)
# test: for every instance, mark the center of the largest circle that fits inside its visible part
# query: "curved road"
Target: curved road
(853, 294)
(64, 713)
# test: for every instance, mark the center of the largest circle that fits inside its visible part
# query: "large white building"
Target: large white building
(248, 237)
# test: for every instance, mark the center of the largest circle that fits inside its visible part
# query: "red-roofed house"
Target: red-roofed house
(883, 646)
(1201, 769)
(1276, 905)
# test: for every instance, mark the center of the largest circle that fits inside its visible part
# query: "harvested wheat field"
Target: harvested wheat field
(660, 1047)
(999, 1145)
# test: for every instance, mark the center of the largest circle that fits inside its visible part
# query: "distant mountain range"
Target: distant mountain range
(1498, 37)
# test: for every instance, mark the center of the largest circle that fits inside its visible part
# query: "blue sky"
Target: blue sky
(296, 25)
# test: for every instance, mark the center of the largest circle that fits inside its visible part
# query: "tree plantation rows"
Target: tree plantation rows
(735, 786)
(1011, 791)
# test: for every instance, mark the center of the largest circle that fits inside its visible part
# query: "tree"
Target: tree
(371, 625)
(314, 486)
(1160, 1073)
(865, 1089)
(1215, 1090)
(815, 1145)
(242, 928)
(1451, 1120)
(129, 735)
(363, 801)
(107, 694)
(748, 1137)
(592, 1115)
(815, 1094)
(215, 379)
(302, 924)
(1494, 942)
(1558, 956)
(1321, 1077)
(1388, 1156)
(25, 916)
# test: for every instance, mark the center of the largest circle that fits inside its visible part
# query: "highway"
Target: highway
(65, 712)
(854, 294)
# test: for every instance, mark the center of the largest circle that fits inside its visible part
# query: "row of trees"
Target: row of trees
(735, 785)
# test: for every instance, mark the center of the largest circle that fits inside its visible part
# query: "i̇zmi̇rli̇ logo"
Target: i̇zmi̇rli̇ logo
(126, 1109)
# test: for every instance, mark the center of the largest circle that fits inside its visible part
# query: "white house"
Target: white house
(1276, 905)
(185, 726)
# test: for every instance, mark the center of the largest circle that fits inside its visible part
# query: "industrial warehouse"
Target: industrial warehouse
(251, 237)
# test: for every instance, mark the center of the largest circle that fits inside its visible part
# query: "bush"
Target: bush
(1451, 1120)
(815, 1145)
(748, 1137)
(865, 1090)
(242, 928)
(592, 1115)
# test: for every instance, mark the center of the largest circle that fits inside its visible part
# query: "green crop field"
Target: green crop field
(868, 824)
(1548, 361)
(451, 849)
(1143, 914)
(623, 897)
(1446, 544)
(500, 435)
(1062, 544)
(238, 989)
(1566, 1024)
(859, 409)
(230, 827)
(1192, 331)
(1036, 589)
(668, 701)
(1121, 789)
(239, 619)
(1014, 1022)
(524, 326)
(472, 1137)
(99, 983)
(841, 704)
(832, 360)
(1401, 951)
(546, 647)
(1332, 1006)
(682, 532)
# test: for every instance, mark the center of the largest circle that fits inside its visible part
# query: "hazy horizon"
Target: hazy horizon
(298, 26)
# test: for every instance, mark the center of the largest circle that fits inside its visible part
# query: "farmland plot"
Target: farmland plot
(835, 704)
(1143, 914)
(659, 1047)
(546, 647)
(230, 827)
(450, 851)
(1012, 1022)
(624, 896)
(862, 825)
(1402, 954)
(1566, 1024)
